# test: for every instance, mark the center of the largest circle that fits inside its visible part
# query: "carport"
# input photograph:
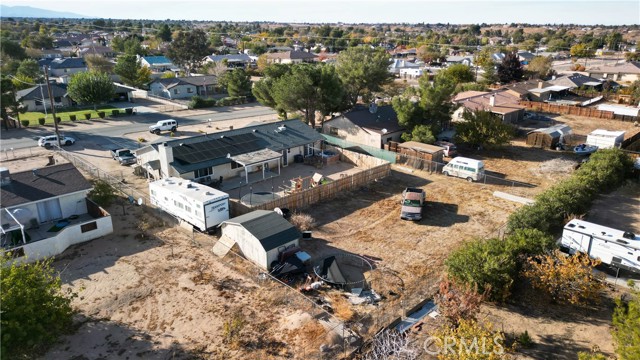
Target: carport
(260, 158)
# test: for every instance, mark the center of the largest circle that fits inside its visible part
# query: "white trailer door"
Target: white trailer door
(216, 212)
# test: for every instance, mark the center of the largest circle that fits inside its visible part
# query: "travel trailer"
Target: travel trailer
(617, 248)
(199, 205)
(470, 169)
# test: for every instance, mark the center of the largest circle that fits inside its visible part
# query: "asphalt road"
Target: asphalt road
(112, 131)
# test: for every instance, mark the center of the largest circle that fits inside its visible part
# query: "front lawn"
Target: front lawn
(64, 115)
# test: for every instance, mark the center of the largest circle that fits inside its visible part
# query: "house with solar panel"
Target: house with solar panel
(246, 155)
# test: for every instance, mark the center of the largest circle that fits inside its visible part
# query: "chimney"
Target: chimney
(492, 101)
(540, 84)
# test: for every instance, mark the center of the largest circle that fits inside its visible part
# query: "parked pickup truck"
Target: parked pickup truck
(124, 156)
(412, 202)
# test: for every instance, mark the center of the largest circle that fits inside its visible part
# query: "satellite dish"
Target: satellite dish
(140, 201)
(384, 131)
(278, 211)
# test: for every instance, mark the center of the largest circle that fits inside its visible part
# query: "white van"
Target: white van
(470, 169)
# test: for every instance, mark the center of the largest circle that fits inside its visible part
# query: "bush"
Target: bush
(34, 310)
(41, 121)
(87, 116)
(102, 194)
(605, 170)
(525, 340)
(25, 123)
(58, 119)
(197, 102)
(115, 112)
(567, 279)
(101, 114)
(486, 265)
(72, 117)
(626, 318)
(457, 302)
(141, 139)
(304, 222)
(491, 265)
(128, 111)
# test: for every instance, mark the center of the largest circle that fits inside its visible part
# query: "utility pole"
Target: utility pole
(53, 107)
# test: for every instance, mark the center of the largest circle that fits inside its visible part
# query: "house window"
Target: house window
(389, 139)
(66, 70)
(190, 90)
(203, 172)
(57, 99)
(88, 227)
(176, 91)
(333, 131)
(235, 165)
(38, 102)
(187, 208)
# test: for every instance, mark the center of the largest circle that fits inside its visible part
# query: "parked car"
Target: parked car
(163, 125)
(450, 149)
(123, 156)
(52, 140)
(412, 203)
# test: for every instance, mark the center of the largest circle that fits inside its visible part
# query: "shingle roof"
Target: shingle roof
(384, 118)
(293, 55)
(157, 60)
(191, 80)
(631, 67)
(504, 102)
(270, 228)
(50, 182)
(34, 93)
(67, 63)
(575, 80)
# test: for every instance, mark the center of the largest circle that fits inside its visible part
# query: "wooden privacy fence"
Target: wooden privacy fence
(316, 194)
(566, 110)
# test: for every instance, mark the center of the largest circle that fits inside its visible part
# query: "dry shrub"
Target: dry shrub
(312, 332)
(456, 302)
(341, 307)
(304, 222)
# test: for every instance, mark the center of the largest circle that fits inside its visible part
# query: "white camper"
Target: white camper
(613, 247)
(470, 169)
(199, 205)
(604, 139)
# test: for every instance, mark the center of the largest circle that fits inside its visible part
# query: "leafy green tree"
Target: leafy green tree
(98, 63)
(102, 193)
(34, 309)
(482, 128)
(9, 106)
(581, 51)
(307, 88)
(614, 39)
(540, 67)
(510, 70)
(131, 71)
(455, 74)
(422, 133)
(133, 46)
(11, 49)
(29, 69)
(188, 49)
(237, 82)
(91, 87)
(164, 33)
(626, 320)
(362, 70)
(263, 89)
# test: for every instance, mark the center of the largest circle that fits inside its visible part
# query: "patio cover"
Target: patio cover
(256, 157)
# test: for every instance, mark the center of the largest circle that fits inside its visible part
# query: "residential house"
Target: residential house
(262, 236)
(548, 93)
(184, 87)
(497, 57)
(627, 72)
(577, 80)
(521, 89)
(290, 57)
(91, 50)
(50, 54)
(501, 103)
(373, 126)
(44, 211)
(64, 66)
(525, 57)
(233, 61)
(231, 154)
(32, 98)
(459, 59)
(397, 65)
(158, 63)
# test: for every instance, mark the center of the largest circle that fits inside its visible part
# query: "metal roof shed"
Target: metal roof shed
(550, 137)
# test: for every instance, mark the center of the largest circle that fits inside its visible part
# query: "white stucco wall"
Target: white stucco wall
(248, 244)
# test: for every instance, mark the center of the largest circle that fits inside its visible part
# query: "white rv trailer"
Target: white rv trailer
(604, 139)
(199, 205)
(613, 247)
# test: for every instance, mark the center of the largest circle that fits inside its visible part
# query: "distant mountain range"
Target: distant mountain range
(31, 12)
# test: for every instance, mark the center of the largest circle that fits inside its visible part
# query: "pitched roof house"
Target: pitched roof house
(577, 80)
(261, 235)
(64, 66)
(184, 87)
(43, 211)
(232, 153)
(629, 72)
(232, 60)
(290, 57)
(373, 126)
(499, 102)
(103, 51)
(33, 97)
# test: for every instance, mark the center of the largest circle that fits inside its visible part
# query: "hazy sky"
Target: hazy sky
(612, 12)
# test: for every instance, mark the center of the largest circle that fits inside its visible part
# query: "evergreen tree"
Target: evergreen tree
(510, 70)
